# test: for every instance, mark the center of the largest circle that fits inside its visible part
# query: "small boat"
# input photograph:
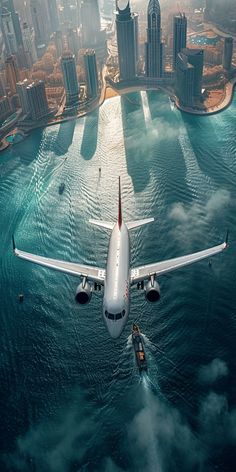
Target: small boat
(139, 348)
(61, 188)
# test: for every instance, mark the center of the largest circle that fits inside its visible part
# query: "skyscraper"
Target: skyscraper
(195, 58)
(22, 94)
(9, 4)
(126, 32)
(8, 32)
(91, 72)
(70, 79)
(72, 41)
(37, 100)
(39, 23)
(53, 15)
(184, 81)
(179, 36)
(59, 43)
(12, 74)
(91, 23)
(228, 53)
(153, 46)
(29, 46)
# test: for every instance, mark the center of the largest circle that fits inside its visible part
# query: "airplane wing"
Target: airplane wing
(93, 273)
(144, 272)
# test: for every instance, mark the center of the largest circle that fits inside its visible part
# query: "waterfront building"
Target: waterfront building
(126, 32)
(53, 15)
(8, 32)
(90, 22)
(22, 94)
(37, 100)
(70, 79)
(12, 74)
(5, 108)
(184, 81)
(179, 36)
(153, 46)
(228, 53)
(91, 72)
(195, 58)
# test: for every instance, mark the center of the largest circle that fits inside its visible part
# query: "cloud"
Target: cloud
(191, 221)
(210, 373)
(161, 439)
(217, 202)
(217, 424)
(55, 444)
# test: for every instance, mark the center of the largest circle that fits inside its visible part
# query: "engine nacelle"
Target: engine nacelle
(83, 293)
(152, 291)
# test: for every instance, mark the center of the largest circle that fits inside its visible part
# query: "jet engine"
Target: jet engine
(83, 293)
(152, 290)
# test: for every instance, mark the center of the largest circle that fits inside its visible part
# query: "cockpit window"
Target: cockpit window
(114, 317)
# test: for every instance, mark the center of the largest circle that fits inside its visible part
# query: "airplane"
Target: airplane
(118, 277)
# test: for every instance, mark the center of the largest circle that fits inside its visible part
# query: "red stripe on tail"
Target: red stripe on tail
(120, 209)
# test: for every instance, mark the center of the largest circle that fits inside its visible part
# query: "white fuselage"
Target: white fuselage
(117, 282)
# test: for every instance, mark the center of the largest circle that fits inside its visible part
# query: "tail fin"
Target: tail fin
(120, 208)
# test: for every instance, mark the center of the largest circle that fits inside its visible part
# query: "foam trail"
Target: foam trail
(146, 111)
(149, 428)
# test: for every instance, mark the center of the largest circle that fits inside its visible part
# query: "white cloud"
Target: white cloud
(210, 373)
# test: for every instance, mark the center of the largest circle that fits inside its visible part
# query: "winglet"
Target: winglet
(120, 209)
(13, 243)
(227, 238)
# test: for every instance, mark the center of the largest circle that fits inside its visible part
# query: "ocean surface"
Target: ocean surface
(71, 398)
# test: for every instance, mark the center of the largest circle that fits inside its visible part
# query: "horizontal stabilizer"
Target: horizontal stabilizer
(138, 223)
(103, 224)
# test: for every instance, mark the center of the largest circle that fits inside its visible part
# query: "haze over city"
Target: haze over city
(118, 230)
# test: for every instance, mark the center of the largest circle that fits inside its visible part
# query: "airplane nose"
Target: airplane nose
(115, 329)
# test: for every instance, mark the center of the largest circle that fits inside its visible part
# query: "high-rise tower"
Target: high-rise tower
(12, 74)
(154, 46)
(9, 4)
(8, 32)
(228, 52)
(179, 36)
(126, 31)
(70, 79)
(91, 72)
(39, 23)
(91, 23)
(53, 15)
(37, 100)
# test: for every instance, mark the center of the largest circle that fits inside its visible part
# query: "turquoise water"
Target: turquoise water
(71, 397)
(14, 138)
(202, 39)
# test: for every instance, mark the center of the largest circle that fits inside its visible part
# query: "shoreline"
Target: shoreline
(112, 92)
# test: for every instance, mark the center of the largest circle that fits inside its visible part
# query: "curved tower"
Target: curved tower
(127, 41)
(153, 45)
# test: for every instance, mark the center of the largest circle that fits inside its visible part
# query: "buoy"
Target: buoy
(21, 297)
(100, 170)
